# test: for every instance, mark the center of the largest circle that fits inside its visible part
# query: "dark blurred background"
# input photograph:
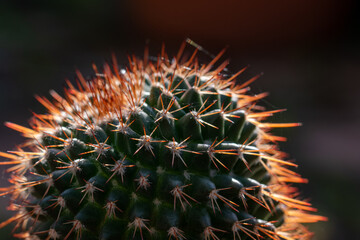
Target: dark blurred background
(308, 51)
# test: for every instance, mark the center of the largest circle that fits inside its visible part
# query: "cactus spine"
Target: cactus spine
(166, 149)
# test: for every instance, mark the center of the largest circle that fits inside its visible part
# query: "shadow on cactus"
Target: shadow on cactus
(162, 149)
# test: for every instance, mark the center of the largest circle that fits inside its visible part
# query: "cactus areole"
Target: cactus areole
(163, 149)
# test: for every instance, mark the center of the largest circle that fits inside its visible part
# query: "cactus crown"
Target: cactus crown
(165, 149)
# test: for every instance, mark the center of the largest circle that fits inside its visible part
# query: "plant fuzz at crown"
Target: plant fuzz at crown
(164, 149)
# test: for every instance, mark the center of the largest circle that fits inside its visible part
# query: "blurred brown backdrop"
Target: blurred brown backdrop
(308, 51)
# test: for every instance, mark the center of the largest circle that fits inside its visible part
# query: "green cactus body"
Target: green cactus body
(162, 150)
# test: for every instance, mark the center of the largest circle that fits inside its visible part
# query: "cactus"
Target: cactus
(163, 149)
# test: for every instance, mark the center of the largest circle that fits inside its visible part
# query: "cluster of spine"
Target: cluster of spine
(169, 149)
